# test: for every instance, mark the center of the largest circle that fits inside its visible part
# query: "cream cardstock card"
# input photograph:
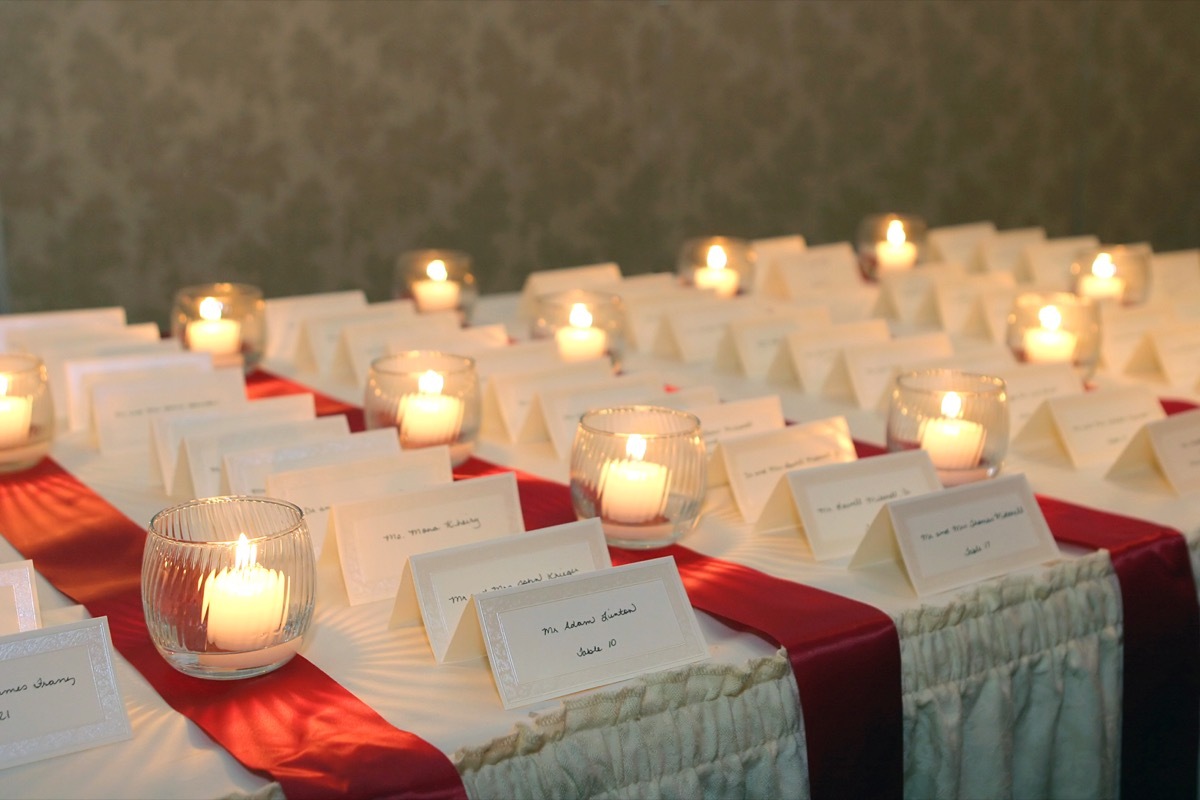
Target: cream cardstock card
(691, 335)
(436, 587)
(245, 471)
(647, 284)
(555, 412)
(606, 276)
(690, 398)
(199, 465)
(810, 272)
(1170, 447)
(865, 372)
(362, 343)
(749, 346)
(61, 693)
(1047, 264)
(508, 397)
(1002, 252)
(99, 317)
(1173, 352)
(168, 430)
(547, 640)
(834, 504)
(959, 243)
(464, 341)
(769, 253)
(851, 303)
(738, 418)
(908, 296)
(976, 356)
(959, 536)
(808, 357)
(1174, 273)
(644, 315)
(131, 340)
(1123, 331)
(320, 335)
(1029, 385)
(19, 608)
(531, 356)
(123, 410)
(318, 489)
(959, 306)
(375, 537)
(1093, 427)
(754, 464)
(284, 317)
(84, 373)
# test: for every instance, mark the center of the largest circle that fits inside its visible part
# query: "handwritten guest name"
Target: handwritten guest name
(457, 599)
(605, 616)
(421, 530)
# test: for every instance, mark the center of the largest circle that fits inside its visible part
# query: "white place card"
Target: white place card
(374, 538)
(987, 358)
(644, 315)
(555, 412)
(958, 302)
(35, 340)
(852, 303)
(284, 317)
(548, 640)
(907, 296)
(1123, 332)
(1047, 264)
(754, 464)
(833, 505)
(689, 398)
(1169, 447)
(245, 472)
(1174, 273)
(605, 276)
(361, 343)
(436, 587)
(749, 346)
(865, 372)
(959, 243)
(463, 341)
(99, 317)
(647, 284)
(1172, 351)
(768, 253)
(808, 358)
(167, 431)
(1002, 252)
(122, 411)
(720, 421)
(318, 489)
(530, 356)
(508, 397)
(19, 608)
(959, 536)
(1029, 385)
(1093, 427)
(808, 273)
(83, 374)
(200, 463)
(691, 334)
(60, 692)
(320, 335)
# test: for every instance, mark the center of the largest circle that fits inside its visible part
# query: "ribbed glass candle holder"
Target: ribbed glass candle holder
(224, 319)
(585, 324)
(890, 243)
(642, 470)
(228, 585)
(26, 412)
(437, 280)
(719, 264)
(1113, 273)
(1055, 327)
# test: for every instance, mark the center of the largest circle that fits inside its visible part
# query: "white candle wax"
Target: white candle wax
(244, 606)
(952, 442)
(16, 413)
(1049, 344)
(438, 293)
(631, 490)
(579, 341)
(716, 276)
(429, 417)
(211, 333)
(1102, 283)
(897, 252)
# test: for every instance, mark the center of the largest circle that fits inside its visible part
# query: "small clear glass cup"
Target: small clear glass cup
(585, 324)
(1113, 273)
(26, 412)
(719, 264)
(228, 585)
(890, 243)
(959, 418)
(224, 319)
(437, 280)
(642, 470)
(430, 398)
(1055, 327)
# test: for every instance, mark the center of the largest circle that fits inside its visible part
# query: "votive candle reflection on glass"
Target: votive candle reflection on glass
(1049, 343)
(631, 490)
(952, 442)
(244, 606)
(429, 417)
(436, 292)
(211, 333)
(716, 276)
(578, 340)
(16, 415)
(1101, 282)
(895, 252)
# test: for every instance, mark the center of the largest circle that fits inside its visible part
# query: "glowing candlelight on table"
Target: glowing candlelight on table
(16, 414)
(429, 417)
(211, 334)
(1048, 343)
(952, 442)
(579, 341)
(897, 252)
(1102, 282)
(632, 490)
(716, 276)
(438, 293)
(244, 606)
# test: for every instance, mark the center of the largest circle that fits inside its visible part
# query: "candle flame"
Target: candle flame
(952, 405)
(580, 317)
(1103, 266)
(247, 554)
(635, 447)
(1050, 317)
(716, 258)
(211, 308)
(895, 232)
(436, 270)
(430, 383)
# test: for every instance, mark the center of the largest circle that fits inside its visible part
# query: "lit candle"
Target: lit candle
(631, 490)
(897, 252)
(579, 341)
(429, 417)
(244, 606)
(211, 334)
(1048, 343)
(16, 412)
(716, 276)
(952, 442)
(438, 293)
(1102, 282)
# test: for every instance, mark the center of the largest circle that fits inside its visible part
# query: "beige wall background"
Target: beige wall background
(303, 145)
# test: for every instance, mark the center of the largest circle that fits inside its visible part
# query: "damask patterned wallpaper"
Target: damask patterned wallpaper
(302, 145)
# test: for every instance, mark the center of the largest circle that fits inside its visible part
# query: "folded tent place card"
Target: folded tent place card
(808, 357)
(644, 314)
(58, 692)
(907, 296)
(320, 335)
(808, 272)
(285, 316)
(1172, 351)
(606, 276)
(1029, 385)
(1002, 251)
(738, 418)
(1047, 264)
(749, 346)
(508, 397)
(83, 374)
(771, 251)
(959, 243)
(865, 372)
(555, 412)
(361, 343)
(1170, 447)
(437, 586)
(1123, 331)
(547, 640)
(19, 608)
(959, 536)
(691, 333)
(1174, 273)
(959, 302)
(374, 538)
(530, 356)
(833, 505)
(245, 471)
(1093, 427)
(97, 317)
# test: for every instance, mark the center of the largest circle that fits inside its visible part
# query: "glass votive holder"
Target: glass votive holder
(228, 585)
(959, 418)
(437, 280)
(224, 319)
(585, 324)
(719, 264)
(26, 412)
(1055, 327)
(1113, 273)
(889, 243)
(642, 470)
(430, 398)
